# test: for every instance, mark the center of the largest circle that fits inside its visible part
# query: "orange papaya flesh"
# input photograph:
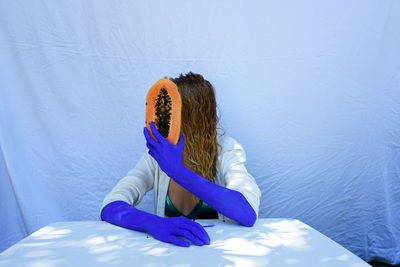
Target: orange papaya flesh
(163, 107)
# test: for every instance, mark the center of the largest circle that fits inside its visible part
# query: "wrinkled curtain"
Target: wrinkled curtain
(309, 88)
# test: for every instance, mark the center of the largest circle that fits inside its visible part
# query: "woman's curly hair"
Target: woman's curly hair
(198, 125)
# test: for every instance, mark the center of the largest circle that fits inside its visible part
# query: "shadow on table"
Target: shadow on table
(284, 241)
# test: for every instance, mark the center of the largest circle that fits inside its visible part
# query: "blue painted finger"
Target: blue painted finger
(198, 230)
(152, 154)
(180, 142)
(156, 134)
(189, 236)
(177, 241)
(150, 146)
(149, 139)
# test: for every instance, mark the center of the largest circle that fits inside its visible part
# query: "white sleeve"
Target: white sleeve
(132, 188)
(234, 171)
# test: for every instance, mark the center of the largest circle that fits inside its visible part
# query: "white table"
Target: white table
(271, 242)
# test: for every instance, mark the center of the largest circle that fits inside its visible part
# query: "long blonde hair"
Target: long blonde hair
(198, 125)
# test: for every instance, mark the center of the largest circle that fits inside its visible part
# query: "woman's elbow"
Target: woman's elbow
(249, 219)
(249, 216)
(251, 222)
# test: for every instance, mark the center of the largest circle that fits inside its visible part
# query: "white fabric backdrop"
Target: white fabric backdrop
(309, 88)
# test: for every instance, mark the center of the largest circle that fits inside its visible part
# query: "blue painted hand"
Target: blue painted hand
(168, 156)
(168, 230)
(164, 229)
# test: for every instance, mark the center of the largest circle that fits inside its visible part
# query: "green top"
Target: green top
(200, 211)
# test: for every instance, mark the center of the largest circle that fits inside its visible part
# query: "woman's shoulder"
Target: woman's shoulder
(230, 153)
(228, 143)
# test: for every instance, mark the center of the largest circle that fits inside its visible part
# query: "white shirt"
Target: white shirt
(231, 173)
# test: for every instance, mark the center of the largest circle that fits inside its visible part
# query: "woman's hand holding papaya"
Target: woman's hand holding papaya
(167, 155)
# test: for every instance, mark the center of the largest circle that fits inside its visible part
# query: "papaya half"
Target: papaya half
(163, 107)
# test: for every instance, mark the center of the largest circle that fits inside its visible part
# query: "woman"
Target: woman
(202, 177)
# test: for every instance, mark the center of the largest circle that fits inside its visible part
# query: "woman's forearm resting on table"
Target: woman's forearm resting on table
(230, 203)
(125, 215)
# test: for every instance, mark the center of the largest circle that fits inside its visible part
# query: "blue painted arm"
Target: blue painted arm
(230, 203)
(164, 229)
